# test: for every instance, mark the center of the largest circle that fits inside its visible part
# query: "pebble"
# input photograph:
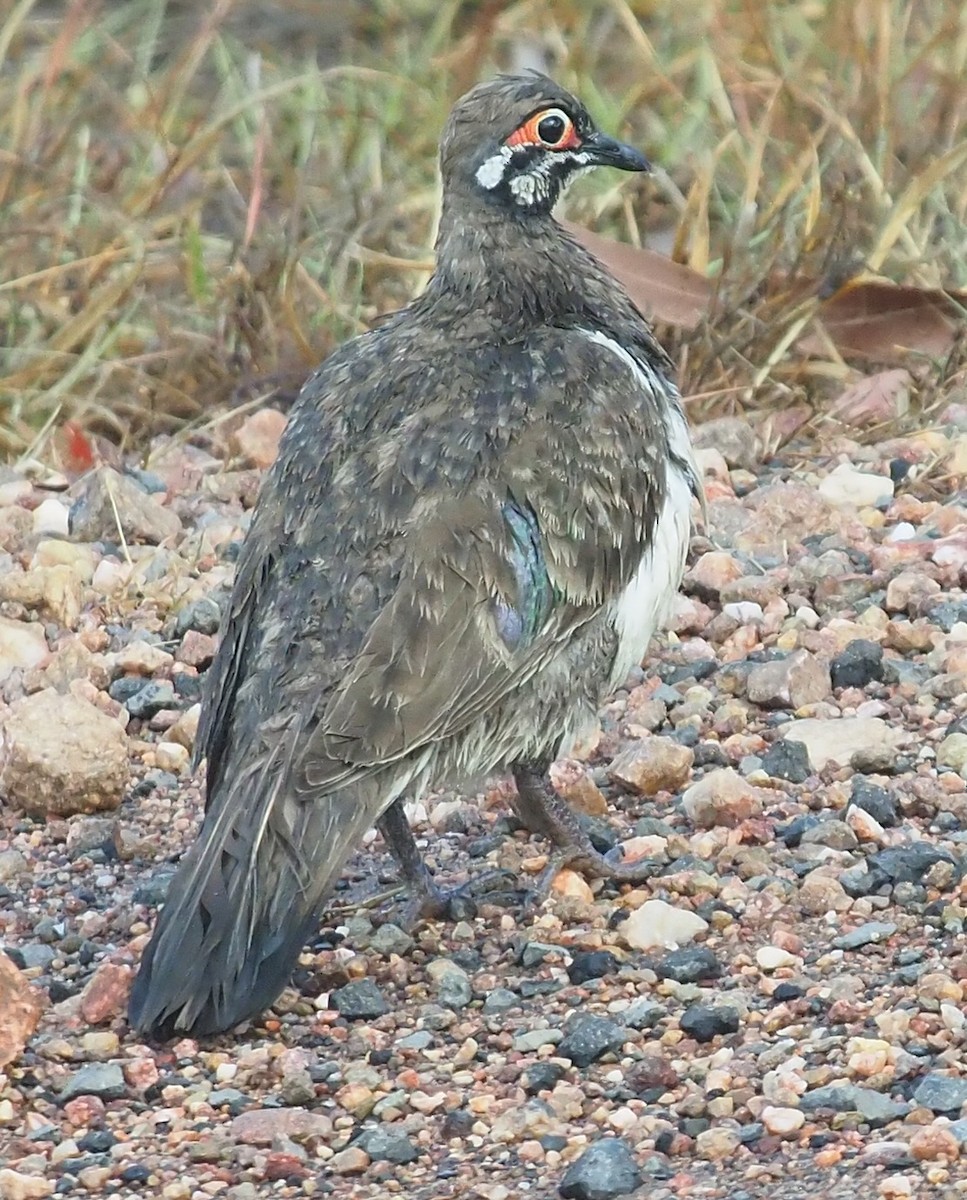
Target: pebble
(791, 682)
(50, 516)
(15, 1185)
(704, 1022)
(451, 983)
(12, 864)
(262, 1126)
(868, 934)
(360, 1000)
(257, 439)
(690, 965)
(390, 1145)
(606, 1170)
(782, 1122)
(656, 924)
(718, 1143)
(23, 646)
(847, 486)
(657, 764)
(591, 964)
(351, 1161)
(772, 958)
(104, 1080)
(952, 752)
(587, 1037)
(872, 1106)
(933, 1142)
(787, 759)
(722, 797)
(858, 665)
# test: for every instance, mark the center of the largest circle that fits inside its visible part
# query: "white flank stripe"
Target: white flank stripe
(643, 606)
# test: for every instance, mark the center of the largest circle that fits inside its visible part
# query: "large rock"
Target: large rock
(60, 755)
(20, 1009)
(837, 739)
(112, 504)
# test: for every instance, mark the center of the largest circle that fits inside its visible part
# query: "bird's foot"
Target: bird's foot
(543, 811)
(428, 901)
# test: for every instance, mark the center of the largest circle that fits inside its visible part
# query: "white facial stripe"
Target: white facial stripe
(490, 173)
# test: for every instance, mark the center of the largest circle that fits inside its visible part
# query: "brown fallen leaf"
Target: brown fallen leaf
(20, 1009)
(662, 289)
(877, 319)
(868, 317)
(875, 398)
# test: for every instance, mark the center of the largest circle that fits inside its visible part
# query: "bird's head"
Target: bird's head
(519, 140)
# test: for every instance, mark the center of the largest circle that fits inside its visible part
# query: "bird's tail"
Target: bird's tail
(245, 900)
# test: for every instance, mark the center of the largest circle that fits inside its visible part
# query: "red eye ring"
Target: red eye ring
(555, 121)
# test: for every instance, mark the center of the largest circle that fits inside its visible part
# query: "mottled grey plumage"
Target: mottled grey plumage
(477, 516)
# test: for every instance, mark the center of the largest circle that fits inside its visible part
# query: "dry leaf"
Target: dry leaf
(875, 398)
(662, 289)
(877, 319)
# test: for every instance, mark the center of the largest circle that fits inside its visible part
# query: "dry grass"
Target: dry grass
(194, 208)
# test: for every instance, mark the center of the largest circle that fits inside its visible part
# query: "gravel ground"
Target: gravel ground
(779, 1012)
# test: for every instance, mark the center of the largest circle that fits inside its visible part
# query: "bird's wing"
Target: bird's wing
(494, 577)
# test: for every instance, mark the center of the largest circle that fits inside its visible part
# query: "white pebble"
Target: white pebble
(903, 532)
(743, 610)
(808, 616)
(50, 516)
(771, 958)
(782, 1121)
(953, 1017)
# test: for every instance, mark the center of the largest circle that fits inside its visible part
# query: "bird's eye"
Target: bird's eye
(551, 128)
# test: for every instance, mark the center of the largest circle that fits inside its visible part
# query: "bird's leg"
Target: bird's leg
(428, 900)
(544, 812)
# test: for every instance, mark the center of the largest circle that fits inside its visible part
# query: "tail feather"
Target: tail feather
(245, 900)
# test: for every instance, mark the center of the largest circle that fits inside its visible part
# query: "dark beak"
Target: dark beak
(604, 151)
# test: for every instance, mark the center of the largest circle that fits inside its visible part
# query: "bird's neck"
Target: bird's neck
(514, 270)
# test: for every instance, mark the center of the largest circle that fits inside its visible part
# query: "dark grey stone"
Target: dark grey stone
(587, 1037)
(360, 1000)
(879, 802)
(704, 1022)
(96, 1079)
(591, 964)
(865, 935)
(873, 1107)
(387, 1144)
(860, 663)
(942, 1093)
(690, 965)
(909, 864)
(605, 1170)
(499, 1000)
(204, 616)
(787, 759)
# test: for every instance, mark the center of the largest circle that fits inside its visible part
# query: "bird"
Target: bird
(479, 515)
